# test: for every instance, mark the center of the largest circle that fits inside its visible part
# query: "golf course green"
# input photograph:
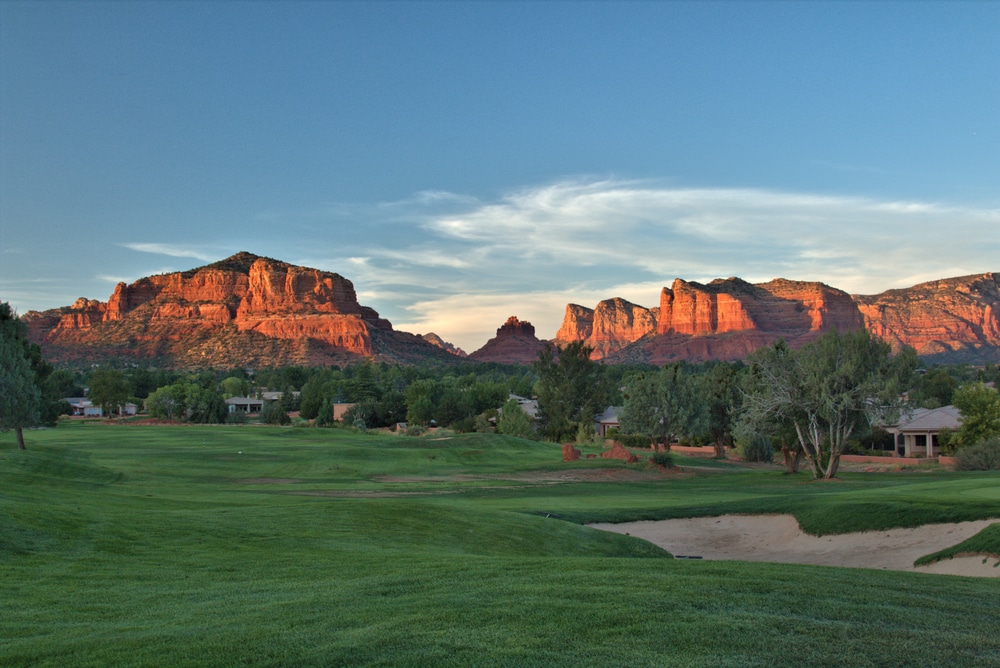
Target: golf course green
(139, 545)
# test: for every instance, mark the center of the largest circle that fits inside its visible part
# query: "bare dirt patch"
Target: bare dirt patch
(778, 538)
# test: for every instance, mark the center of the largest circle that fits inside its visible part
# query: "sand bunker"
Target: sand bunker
(778, 538)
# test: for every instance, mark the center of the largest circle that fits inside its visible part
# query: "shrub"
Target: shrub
(663, 459)
(983, 456)
(236, 417)
(415, 430)
(273, 413)
(757, 448)
(632, 440)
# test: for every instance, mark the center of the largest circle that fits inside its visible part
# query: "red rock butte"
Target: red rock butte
(244, 310)
(515, 343)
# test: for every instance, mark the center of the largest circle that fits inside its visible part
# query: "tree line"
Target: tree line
(812, 404)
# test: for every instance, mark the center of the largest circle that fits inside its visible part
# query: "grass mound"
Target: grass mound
(986, 542)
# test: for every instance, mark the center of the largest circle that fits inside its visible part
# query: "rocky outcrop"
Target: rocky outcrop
(436, 340)
(729, 318)
(950, 320)
(611, 326)
(244, 310)
(515, 343)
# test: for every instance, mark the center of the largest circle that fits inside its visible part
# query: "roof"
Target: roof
(609, 416)
(935, 419)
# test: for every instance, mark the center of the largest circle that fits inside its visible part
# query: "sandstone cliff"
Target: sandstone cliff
(515, 343)
(730, 318)
(244, 310)
(608, 328)
(950, 320)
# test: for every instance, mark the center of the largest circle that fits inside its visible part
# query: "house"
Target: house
(245, 404)
(529, 406)
(606, 421)
(84, 407)
(916, 434)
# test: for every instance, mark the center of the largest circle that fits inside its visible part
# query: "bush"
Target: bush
(236, 417)
(663, 459)
(632, 440)
(983, 456)
(415, 430)
(273, 413)
(757, 448)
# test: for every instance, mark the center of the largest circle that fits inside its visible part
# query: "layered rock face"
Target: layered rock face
(515, 343)
(729, 318)
(244, 310)
(950, 320)
(608, 328)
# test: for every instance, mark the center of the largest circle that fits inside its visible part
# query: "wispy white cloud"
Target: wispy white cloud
(172, 250)
(530, 252)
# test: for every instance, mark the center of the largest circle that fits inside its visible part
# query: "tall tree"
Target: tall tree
(50, 403)
(828, 390)
(719, 389)
(109, 389)
(572, 389)
(19, 395)
(663, 404)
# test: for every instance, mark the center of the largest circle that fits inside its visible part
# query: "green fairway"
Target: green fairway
(156, 546)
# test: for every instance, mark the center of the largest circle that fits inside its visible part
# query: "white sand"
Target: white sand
(778, 538)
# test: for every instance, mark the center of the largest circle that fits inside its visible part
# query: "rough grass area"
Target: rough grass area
(986, 542)
(259, 546)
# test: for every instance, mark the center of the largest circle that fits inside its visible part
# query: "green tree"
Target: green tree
(572, 389)
(663, 404)
(828, 390)
(514, 421)
(719, 389)
(109, 389)
(50, 403)
(19, 395)
(979, 406)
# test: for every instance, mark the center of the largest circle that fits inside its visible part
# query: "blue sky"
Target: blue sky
(463, 162)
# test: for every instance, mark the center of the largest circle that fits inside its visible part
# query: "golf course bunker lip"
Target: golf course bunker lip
(778, 538)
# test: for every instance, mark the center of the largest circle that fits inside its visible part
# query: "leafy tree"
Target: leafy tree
(980, 409)
(233, 386)
(273, 413)
(572, 389)
(662, 404)
(167, 402)
(934, 388)
(514, 421)
(19, 395)
(829, 389)
(109, 389)
(50, 404)
(324, 416)
(719, 389)
(311, 399)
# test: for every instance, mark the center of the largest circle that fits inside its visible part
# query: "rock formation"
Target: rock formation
(436, 340)
(515, 343)
(611, 326)
(244, 310)
(947, 321)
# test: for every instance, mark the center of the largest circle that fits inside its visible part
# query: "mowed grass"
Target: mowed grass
(129, 545)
